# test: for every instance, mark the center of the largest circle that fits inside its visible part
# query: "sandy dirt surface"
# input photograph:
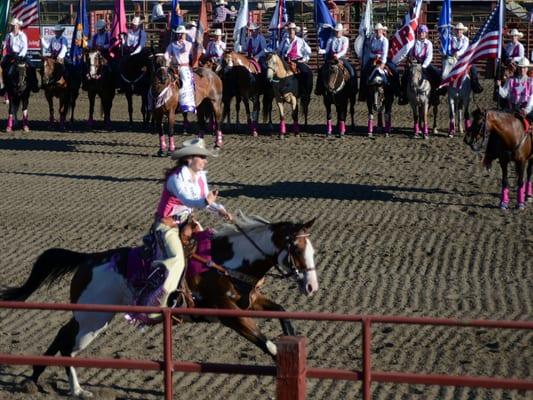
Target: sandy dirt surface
(404, 227)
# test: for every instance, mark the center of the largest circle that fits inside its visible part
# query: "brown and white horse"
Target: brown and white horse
(246, 251)
(507, 138)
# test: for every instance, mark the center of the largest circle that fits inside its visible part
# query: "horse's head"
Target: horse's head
(227, 59)
(335, 76)
(447, 65)
(415, 73)
(274, 66)
(18, 76)
(476, 135)
(51, 71)
(95, 63)
(376, 89)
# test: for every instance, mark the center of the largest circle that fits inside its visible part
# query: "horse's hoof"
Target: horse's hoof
(435, 131)
(255, 134)
(521, 206)
(369, 134)
(504, 206)
(81, 394)
(9, 130)
(426, 136)
(416, 135)
(281, 136)
(451, 135)
(161, 153)
(26, 128)
(29, 386)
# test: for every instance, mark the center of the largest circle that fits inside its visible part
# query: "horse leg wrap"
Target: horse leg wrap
(342, 127)
(329, 127)
(370, 126)
(282, 127)
(468, 124)
(171, 146)
(254, 128)
(521, 195)
(9, 127)
(504, 198)
(388, 124)
(416, 128)
(296, 128)
(219, 140)
(25, 121)
(529, 189)
(426, 130)
(162, 143)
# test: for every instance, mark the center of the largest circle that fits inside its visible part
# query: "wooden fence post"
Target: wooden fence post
(292, 368)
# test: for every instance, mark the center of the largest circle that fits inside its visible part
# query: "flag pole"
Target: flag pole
(498, 73)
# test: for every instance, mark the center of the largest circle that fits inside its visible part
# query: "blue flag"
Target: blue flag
(324, 24)
(175, 19)
(81, 33)
(279, 19)
(445, 28)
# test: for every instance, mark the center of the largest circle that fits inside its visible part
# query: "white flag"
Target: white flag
(240, 27)
(365, 30)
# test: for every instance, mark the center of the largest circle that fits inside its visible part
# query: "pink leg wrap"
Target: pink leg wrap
(329, 127)
(529, 189)
(342, 127)
(296, 128)
(521, 194)
(426, 130)
(282, 127)
(171, 146)
(370, 126)
(162, 143)
(452, 127)
(505, 196)
(468, 124)
(253, 125)
(219, 140)
(10, 122)
(417, 128)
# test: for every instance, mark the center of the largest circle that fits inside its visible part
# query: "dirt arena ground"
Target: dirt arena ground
(405, 227)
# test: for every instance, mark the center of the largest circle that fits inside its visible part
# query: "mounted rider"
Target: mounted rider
(102, 39)
(58, 45)
(459, 45)
(297, 53)
(135, 40)
(16, 49)
(178, 56)
(518, 90)
(514, 50)
(255, 45)
(215, 48)
(421, 53)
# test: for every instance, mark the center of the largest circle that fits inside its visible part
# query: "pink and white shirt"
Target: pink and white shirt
(215, 49)
(179, 52)
(519, 92)
(379, 48)
(422, 51)
(337, 46)
(459, 45)
(296, 49)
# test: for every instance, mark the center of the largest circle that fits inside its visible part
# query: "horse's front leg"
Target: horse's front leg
(255, 114)
(129, 99)
(92, 98)
(521, 184)
(370, 125)
(504, 199)
(295, 124)
(246, 101)
(50, 100)
(416, 125)
(342, 107)
(63, 107)
(451, 114)
(435, 114)
(261, 303)
(25, 114)
(329, 122)
(424, 113)
(529, 183)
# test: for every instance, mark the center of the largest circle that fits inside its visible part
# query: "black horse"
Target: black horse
(17, 72)
(135, 72)
(339, 88)
(99, 81)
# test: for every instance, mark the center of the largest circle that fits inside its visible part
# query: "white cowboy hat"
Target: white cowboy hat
(192, 147)
(524, 63)
(219, 2)
(516, 32)
(100, 24)
(291, 25)
(136, 21)
(191, 23)
(217, 32)
(379, 25)
(59, 28)
(180, 29)
(460, 27)
(252, 27)
(338, 27)
(15, 21)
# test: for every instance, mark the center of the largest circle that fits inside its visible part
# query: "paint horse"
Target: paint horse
(379, 99)
(18, 91)
(61, 81)
(458, 100)
(245, 252)
(507, 137)
(418, 90)
(339, 89)
(99, 81)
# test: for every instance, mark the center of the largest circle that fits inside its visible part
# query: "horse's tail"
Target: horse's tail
(51, 265)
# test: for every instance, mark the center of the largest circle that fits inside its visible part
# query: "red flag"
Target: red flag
(201, 34)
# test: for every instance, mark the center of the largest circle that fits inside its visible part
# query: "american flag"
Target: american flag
(486, 44)
(27, 11)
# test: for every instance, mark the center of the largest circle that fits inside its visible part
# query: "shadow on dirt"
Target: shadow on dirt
(103, 178)
(325, 190)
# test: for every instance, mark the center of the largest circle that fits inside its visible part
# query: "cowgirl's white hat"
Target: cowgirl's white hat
(221, 2)
(516, 32)
(460, 27)
(338, 27)
(180, 29)
(192, 147)
(524, 63)
(252, 27)
(379, 25)
(15, 21)
(217, 32)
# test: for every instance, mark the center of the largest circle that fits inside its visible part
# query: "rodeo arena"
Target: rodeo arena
(273, 199)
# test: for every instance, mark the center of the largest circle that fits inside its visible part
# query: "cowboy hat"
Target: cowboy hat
(423, 28)
(15, 21)
(191, 23)
(100, 24)
(217, 32)
(379, 25)
(338, 27)
(524, 63)
(221, 2)
(58, 28)
(136, 21)
(252, 27)
(516, 32)
(460, 27)
(291, 25)
(180, 29)
(192, 147)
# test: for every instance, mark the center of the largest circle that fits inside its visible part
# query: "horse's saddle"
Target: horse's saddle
(525, 122)
(255, 65)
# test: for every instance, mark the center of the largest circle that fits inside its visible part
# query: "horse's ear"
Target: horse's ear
(309, 224)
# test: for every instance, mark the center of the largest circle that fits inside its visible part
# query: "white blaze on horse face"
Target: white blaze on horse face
(92, 65)
(310, 276)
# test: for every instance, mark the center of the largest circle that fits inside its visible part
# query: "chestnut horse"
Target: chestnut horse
(99, 81)
(245, 252)
(339, 89)
(507, 138)
(61, 81)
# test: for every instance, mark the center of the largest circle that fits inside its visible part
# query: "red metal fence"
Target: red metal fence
(290, 370)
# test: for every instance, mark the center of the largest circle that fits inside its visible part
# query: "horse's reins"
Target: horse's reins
(343, 82)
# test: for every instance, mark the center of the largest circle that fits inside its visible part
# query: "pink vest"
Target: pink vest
(168, 201)
(518, 97)
(293, 53)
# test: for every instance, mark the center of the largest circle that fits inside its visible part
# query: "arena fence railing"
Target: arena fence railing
(291, 369)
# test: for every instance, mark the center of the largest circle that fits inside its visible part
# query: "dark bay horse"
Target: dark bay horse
(61, 81)
(339, 89)
(245, 252)
(507, 138)
(99, 81)
(379, 99)
(135, 73)
(18, 91)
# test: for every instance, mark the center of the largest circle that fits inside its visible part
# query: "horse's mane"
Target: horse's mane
(245, 222)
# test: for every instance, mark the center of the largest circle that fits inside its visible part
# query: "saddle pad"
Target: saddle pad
(256, 65)
(162, 98)
(137, 268)
(203, 248)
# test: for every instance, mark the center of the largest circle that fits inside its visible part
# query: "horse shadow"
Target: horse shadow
(325, 190)
(80, 126)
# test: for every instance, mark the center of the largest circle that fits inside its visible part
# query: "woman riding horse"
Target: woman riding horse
(215, 49)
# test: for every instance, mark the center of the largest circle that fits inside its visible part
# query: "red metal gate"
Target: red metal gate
(290, 369)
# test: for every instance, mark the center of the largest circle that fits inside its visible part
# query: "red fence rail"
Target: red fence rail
(291, 370)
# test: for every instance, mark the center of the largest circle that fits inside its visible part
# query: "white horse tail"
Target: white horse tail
(51, 265)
